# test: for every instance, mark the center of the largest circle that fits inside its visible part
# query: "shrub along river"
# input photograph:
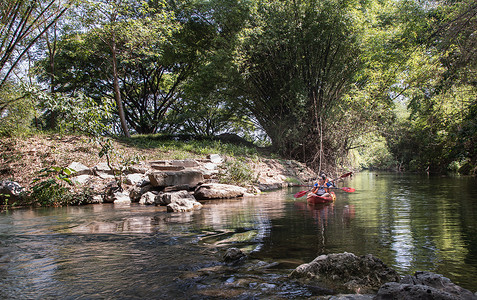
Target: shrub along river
(411, 222)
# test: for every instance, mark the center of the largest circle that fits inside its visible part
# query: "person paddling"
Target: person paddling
(322, 187)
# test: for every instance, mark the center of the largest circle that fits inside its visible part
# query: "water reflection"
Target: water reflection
(103, 251)
(418, 221)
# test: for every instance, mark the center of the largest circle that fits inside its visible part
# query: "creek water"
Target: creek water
(411, 222)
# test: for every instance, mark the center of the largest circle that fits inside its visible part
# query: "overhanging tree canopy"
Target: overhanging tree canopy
(298, 60)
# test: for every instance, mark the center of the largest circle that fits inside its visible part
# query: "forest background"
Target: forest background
(384, 84)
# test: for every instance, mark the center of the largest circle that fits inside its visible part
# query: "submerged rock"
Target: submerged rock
(424, 285)
(183, 205)
(233, 255)
(347, 273)
(347, 297)
(171, 197)
(180, 201)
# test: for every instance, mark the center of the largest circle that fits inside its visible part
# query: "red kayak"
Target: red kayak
(312, 198)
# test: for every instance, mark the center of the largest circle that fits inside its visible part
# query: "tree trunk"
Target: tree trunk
(51, 54)
(117, 93)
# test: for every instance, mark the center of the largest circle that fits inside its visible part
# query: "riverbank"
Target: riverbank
(29, 160)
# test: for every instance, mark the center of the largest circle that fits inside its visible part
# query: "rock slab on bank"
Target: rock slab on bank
(218, 191)
(174, 178)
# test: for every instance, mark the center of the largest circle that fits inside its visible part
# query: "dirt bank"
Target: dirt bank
(21, 159)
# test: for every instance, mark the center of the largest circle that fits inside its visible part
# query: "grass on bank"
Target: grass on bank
(183, 147)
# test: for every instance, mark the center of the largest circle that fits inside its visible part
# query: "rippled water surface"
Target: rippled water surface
(411, 222)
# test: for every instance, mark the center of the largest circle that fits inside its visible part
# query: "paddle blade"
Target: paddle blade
(300, 194)
(346, 175)
(348, 189)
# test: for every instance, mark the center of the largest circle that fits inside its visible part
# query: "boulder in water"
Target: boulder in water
(424, 285)
(346, 273)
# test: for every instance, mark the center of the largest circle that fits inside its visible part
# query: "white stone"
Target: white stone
(79, 169)
(121, 198)
(135, 179)
(216, 158)
(82, 179)
(147, 198)
(210, 166)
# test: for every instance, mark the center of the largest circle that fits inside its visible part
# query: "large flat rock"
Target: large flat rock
(219, 191)
(174, 178)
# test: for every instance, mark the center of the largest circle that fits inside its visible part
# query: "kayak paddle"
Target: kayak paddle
(346, 189)
(301, 194)
(342, 176)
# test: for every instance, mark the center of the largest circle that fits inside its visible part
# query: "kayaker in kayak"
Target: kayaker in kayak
(322, 187)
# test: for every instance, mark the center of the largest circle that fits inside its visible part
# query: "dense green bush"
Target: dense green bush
(51, 187)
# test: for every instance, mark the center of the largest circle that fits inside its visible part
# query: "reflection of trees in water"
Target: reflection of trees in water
(226, 215)
(322, 214)
(244, 221)
(438, 225)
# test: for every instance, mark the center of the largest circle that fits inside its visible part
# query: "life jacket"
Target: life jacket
(326, 185)
(320, 191)
(321, 187)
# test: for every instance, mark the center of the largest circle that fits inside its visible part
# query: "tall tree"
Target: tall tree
(299, 59)
(210, 29)
(120, 43)
(109, 14)
(162, 52)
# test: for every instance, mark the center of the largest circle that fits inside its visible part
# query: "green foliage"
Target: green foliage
(419, 55)
(319, 77)
(374, 154)
(6, 202)
(75, 114)
(207, 105)
(236, 172)
(117, 161)
(298, 60)
(293, 180)
(17, 112)
(51, 187)
(159, 48)
(22, 23)
(431, 142)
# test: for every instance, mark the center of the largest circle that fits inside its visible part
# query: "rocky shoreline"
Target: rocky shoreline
(177, 184)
